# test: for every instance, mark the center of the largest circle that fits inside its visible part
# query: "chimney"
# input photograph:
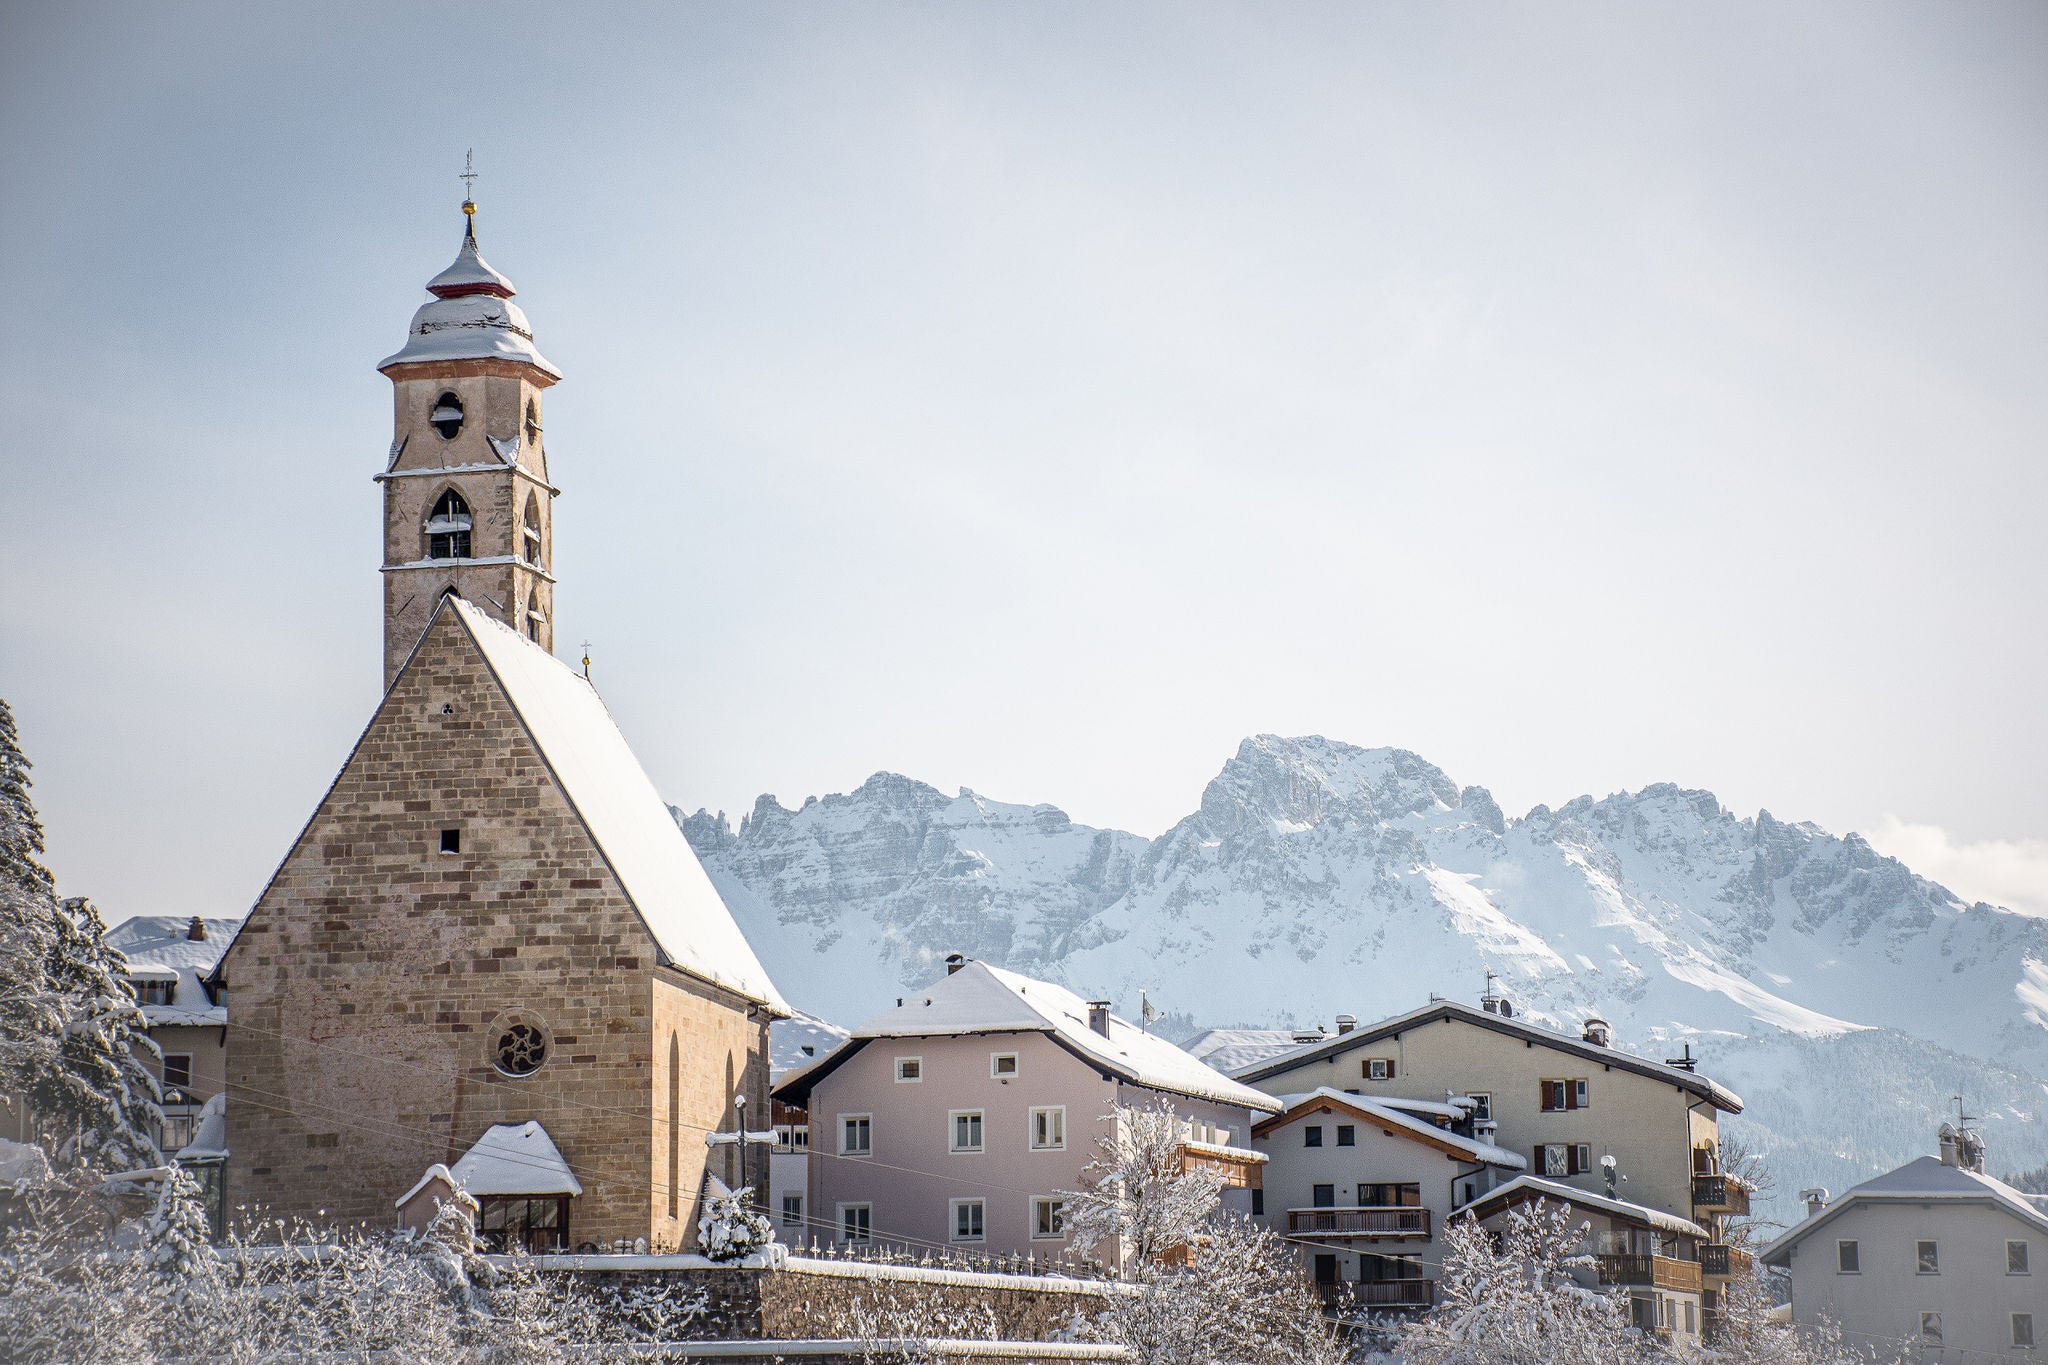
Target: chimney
(1346, 1023)
(196, 930)
(1816, 1201)
(1596, 1032)
(954, 962)
(1948, 1146)
(1098, 1016)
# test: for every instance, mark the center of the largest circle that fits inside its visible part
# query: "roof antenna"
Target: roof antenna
(586, 661)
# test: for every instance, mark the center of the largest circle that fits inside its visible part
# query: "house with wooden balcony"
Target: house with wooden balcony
(1653, 1255)
(1568, 1101)
(1362, 1187)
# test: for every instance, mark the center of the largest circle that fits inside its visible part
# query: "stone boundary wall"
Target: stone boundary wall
(805, 1299)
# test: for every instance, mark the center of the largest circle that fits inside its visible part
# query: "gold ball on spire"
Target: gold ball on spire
(469, 207)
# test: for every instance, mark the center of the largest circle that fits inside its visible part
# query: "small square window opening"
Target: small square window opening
(451, 841)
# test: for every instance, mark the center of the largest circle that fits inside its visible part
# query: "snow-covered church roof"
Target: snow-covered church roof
(978, 998)
(619, 806)
(470, 317)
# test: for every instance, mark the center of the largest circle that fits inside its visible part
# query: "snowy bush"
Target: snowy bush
(729, 1229)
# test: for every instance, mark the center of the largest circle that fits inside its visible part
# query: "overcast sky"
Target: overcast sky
(1042, 397)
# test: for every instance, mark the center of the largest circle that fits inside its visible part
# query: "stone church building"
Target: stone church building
(491, 924)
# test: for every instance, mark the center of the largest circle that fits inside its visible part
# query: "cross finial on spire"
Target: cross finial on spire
(468, 176)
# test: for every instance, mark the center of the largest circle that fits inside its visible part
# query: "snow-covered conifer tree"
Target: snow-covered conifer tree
(29, 1013)
(1138, 1191)
(99, 1102)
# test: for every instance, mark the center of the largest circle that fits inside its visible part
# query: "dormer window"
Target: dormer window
(446, 417)
(448, 528)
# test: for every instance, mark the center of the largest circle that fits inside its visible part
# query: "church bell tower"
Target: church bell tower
(467, 503)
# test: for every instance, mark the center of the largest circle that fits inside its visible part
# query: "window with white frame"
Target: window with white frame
(792, 1137)
(910, 1068)
(1848, 1258)
(1927, 1257)
(966, 1124)
(1048, 1218)
(1002, 1064)
(2016, 1258)
(1049, 1128)
(2023, 1329)
(1482, 1106)
(967, 1224)
(856, 1222)
(856, 1134)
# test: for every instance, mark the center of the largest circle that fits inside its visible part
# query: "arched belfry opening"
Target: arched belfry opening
(449, 526)
(529, 532)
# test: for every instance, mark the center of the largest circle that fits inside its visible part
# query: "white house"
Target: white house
(1936, 1252)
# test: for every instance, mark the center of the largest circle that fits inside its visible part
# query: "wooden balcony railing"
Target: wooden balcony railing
(1720, 1194)
(1720, 1260)
(1661, 1272)
(1397, 1223)
(1377, 1293)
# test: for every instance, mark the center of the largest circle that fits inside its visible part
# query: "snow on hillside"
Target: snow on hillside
(1319, 878)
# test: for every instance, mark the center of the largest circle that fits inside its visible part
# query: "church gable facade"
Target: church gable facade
(491, 922)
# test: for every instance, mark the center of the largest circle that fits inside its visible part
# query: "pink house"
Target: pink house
(957, 1118)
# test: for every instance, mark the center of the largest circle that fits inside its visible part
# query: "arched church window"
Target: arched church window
(448, 527)
(530, 529)
(532, 422)
(446, 417)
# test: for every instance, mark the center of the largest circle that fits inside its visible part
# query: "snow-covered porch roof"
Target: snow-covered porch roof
(509, 1159)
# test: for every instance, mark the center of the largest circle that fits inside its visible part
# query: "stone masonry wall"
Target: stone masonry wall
(370, 982)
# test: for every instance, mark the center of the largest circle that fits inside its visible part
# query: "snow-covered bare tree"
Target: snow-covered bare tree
(99, 1102)
(1139, 1190)
(1240, 1298)
(1518, 1302)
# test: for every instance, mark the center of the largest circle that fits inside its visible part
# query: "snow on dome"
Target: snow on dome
(470, 317)
(470, 274)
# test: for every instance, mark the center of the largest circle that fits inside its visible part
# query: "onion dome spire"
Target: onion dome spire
(471, 316)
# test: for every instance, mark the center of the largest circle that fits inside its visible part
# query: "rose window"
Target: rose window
(521, 1050)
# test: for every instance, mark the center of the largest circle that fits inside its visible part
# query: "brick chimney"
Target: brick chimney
(196, 930)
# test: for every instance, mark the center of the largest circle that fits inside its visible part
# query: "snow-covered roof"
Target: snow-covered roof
(1922, 1180)
(1230, 1049)
(1714, 1093)
(799, 1041)
(470, 317)
(161, 948)
(627, 818)
(1392, 1120)
(510, 1158)
(1526, 1187)
(469, 274)
(979, 998)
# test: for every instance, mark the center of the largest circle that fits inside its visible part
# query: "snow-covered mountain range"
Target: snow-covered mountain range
(1847, 999)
